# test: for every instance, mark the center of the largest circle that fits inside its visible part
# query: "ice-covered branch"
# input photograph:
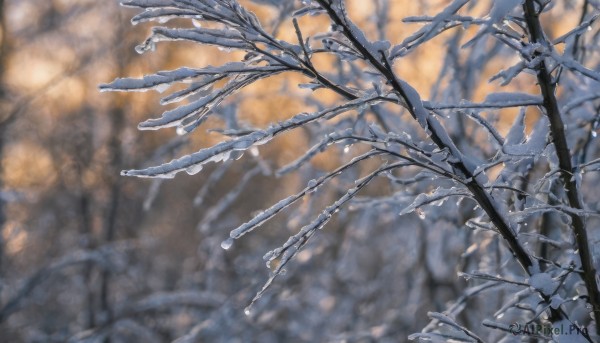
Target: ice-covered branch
(557, 127)
(379, 59)
(193, 163)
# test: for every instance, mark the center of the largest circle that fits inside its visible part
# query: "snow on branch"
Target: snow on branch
(513, 183)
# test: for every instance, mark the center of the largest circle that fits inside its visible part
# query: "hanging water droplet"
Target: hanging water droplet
(248, 311)
(236, 155)
(420, 213)
(225, 156)
(346, 149)
(148, 45)
(181, 131)
(193, 170)
(226, 244)
(594, 134)
(140, 49)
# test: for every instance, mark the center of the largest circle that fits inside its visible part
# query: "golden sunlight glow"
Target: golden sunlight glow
(15, 238)
(28, 166)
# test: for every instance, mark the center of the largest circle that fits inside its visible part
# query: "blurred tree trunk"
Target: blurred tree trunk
(6, 118)
(110, 221)
(115, 164)
(87, 241)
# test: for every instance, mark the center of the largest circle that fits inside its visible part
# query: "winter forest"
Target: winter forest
(299, 171)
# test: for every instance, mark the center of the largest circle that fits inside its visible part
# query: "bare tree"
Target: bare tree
(427, 151)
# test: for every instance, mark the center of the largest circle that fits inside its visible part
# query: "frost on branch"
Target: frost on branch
(506, 172)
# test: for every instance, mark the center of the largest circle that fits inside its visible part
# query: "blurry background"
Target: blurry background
(88, 254)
